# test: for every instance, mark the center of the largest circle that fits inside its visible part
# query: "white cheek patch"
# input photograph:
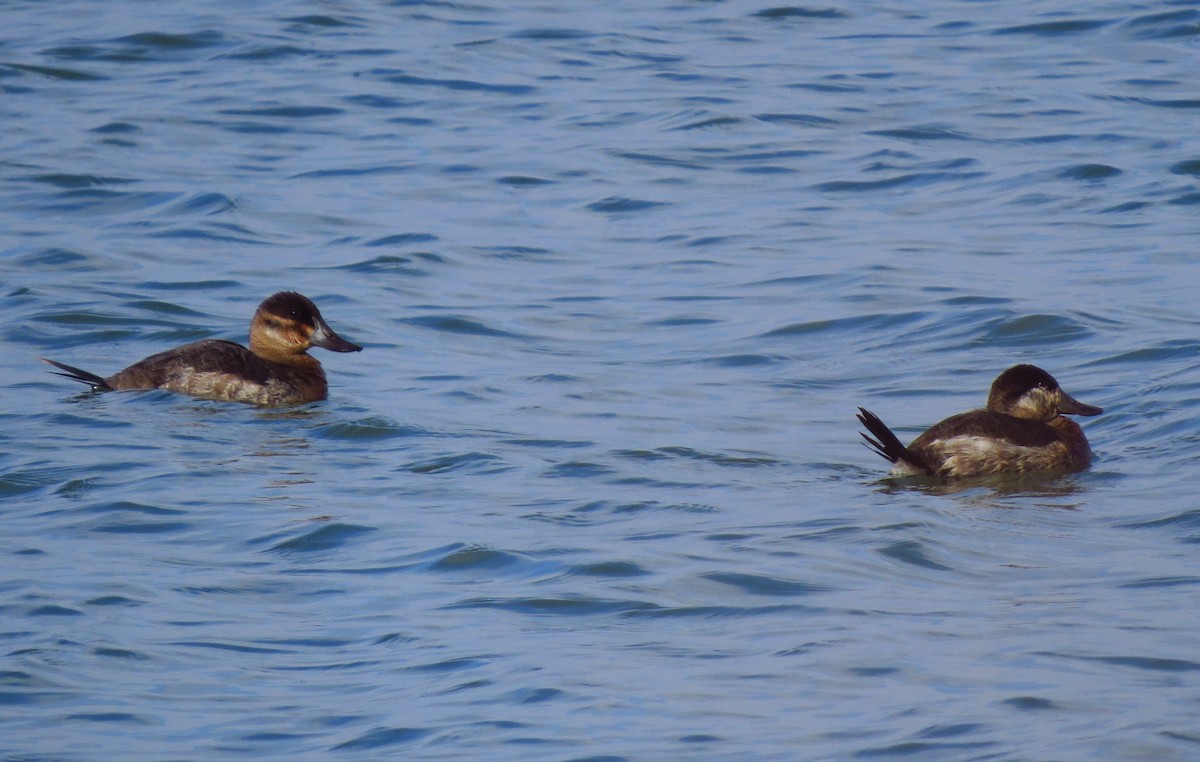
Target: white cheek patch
(1036, 405)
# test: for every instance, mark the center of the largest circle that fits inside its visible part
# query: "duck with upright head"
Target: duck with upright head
(1022, 429)
(275, 371)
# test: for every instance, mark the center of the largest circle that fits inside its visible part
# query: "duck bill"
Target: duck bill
(1072, 406)
(325, 338)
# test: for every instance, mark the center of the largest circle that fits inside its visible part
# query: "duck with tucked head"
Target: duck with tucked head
(1021, 430)
(275, 371)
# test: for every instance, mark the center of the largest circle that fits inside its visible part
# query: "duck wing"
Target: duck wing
(985, 424)
(211, 356)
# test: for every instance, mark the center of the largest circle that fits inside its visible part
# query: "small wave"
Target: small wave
(322, 21)
(142, 527)
(371, 171)
(550, 443)
(922, 134)
(855, 325)
(168, 42)
(73, 181)
(212, 232)
(1145, 663)
(1054, 28)
(720, 612)
(1089, 172)
(475, 461)
(578, 470)
(609, 570)
(114, 600)
(475, 558)
(380, 738)
(522, 253)
(1154, 582)
(1032, 330)
(402, 239)
(716, 458)
(622, 205)
(57, 72)
(1186, 199)
(102, 202)
(758, 584)
(269, 53)
(388, 263)
(913, 553)
(1188, 519)
(189, 285)
(285, 112)
(53, 610)
(710, 122)
(203, 203)
(1171, 103)
(896, 181)
(799, 12)
(572, 607)
(745, 360)
(54, 258)
(116, 128)
(460, 85)
(328, 537)
(1128, 206)
(1030, 703)
(552, 34)
(28, 480)
(110, 717)
(1166, 26)
(459, 325)
(798, 120)
(523, 181)
(1190, 167)
(371, 428)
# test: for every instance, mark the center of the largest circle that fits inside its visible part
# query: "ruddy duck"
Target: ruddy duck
(1022, 429)
(276, 370)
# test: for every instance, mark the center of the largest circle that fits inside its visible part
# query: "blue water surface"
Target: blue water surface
(594, 489)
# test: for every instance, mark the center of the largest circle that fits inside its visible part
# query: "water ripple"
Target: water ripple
(1027, 330)
(1055, 28)
(799, 12)
(571, 607)
(371, 428)
(476, 462)
(322, 539)
(621, 205)
(459, 325)
(756, 584)
(1166, 25)
(56, 72)
(457, 85)
(380, 738)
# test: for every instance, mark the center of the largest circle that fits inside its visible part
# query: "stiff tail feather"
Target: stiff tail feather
(76, 374)
(887, 444)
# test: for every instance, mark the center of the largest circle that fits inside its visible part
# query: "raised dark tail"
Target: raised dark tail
(75, 374)
(889, 447)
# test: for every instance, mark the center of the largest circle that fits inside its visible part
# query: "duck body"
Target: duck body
(1022, 429)
(276, 370)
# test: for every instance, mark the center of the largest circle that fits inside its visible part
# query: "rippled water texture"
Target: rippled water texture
(594, 490)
